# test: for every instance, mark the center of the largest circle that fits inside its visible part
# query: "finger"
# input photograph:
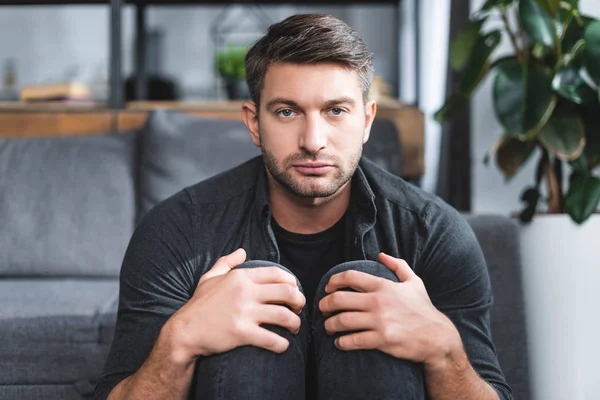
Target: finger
(262, 275)
(349, 321)
(278, 315)
(264, 338)
(282, 293)
(356, 280)
(367, 340)
(225, 264)
(398, 267)
(344, 301)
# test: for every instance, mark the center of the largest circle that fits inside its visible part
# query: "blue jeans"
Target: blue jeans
(249, 372)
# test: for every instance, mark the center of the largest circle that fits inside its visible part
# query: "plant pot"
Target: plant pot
(237, 89)
(561, 280)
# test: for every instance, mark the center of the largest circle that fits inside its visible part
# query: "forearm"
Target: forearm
(454, 378)
(166, 374)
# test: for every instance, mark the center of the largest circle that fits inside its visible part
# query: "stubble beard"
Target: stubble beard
(310, 186)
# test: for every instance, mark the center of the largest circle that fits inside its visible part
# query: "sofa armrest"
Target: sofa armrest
(498, 237)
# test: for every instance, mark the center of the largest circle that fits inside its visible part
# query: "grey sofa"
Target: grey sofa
(68, 206)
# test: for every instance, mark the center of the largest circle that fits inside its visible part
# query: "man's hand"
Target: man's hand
(230, 304)
(397, 318)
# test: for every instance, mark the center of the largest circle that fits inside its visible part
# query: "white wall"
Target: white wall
(490, 192)
(48, 42)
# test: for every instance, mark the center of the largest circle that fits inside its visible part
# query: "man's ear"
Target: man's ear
(370, 111)
(250, 118)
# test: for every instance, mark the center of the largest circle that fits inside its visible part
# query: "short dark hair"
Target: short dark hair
(308, 39)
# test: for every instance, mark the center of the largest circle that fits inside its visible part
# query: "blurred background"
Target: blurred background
(61, 43)
(77, 77)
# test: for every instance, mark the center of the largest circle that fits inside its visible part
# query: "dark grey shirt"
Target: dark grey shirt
(183, 236)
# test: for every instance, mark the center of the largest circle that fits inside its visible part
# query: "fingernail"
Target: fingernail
(337, 342)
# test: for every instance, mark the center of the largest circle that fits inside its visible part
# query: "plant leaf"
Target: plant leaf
(592, 50)
(569, 84)
(491, 153)
(572, 33)
(491, 4)
(583, 197)
(580, 164)
(475, 71)
(479, 64)
(463, 44)
(231, 61)
(536, 22)
(551, 6)
(563, 135)
(591, 121)
(531, 197)
(512, 155)
(566, 9)
(501, 60)
(523, 97)
(574, 55)
(449, 107)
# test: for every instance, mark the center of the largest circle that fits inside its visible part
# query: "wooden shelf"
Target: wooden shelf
(58, 106)
(18, 119)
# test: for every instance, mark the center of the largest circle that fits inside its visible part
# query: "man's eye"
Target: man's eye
(336, 111)
(286, 112)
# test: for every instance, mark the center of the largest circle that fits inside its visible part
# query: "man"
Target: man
(357, 285)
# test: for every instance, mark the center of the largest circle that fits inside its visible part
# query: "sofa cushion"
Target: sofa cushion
(179, 150)
(499, 240)
(384, 147)
(67, 204)
(55, 331)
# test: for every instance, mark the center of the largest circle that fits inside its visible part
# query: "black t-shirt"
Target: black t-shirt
(309, 257)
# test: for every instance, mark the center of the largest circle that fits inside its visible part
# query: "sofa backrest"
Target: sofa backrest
(498, 237)
(67, 204)
(179, 150)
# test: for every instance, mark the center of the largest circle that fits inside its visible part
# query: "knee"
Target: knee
(366, 266)
(260, 263)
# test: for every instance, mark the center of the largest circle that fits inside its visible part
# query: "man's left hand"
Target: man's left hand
(396, 318)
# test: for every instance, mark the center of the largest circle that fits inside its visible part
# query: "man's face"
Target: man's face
(312, 126)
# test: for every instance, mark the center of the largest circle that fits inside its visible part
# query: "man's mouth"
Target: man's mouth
(313, 167)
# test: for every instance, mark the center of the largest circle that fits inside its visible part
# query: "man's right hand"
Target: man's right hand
(228, 307)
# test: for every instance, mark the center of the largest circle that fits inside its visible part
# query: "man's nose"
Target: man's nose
(314, 137)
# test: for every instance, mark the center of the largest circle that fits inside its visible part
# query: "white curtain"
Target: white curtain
(425, 87)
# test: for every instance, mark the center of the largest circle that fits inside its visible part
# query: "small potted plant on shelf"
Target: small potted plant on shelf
(546, 97)
(230, 64)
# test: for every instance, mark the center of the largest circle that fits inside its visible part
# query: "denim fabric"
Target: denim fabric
(182, 237)
(361, 374)
(249, 373)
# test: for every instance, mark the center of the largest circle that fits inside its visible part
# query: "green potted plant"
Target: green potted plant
(230, 64)
(546, 97)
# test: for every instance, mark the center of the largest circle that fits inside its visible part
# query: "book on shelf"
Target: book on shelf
(72, 92)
